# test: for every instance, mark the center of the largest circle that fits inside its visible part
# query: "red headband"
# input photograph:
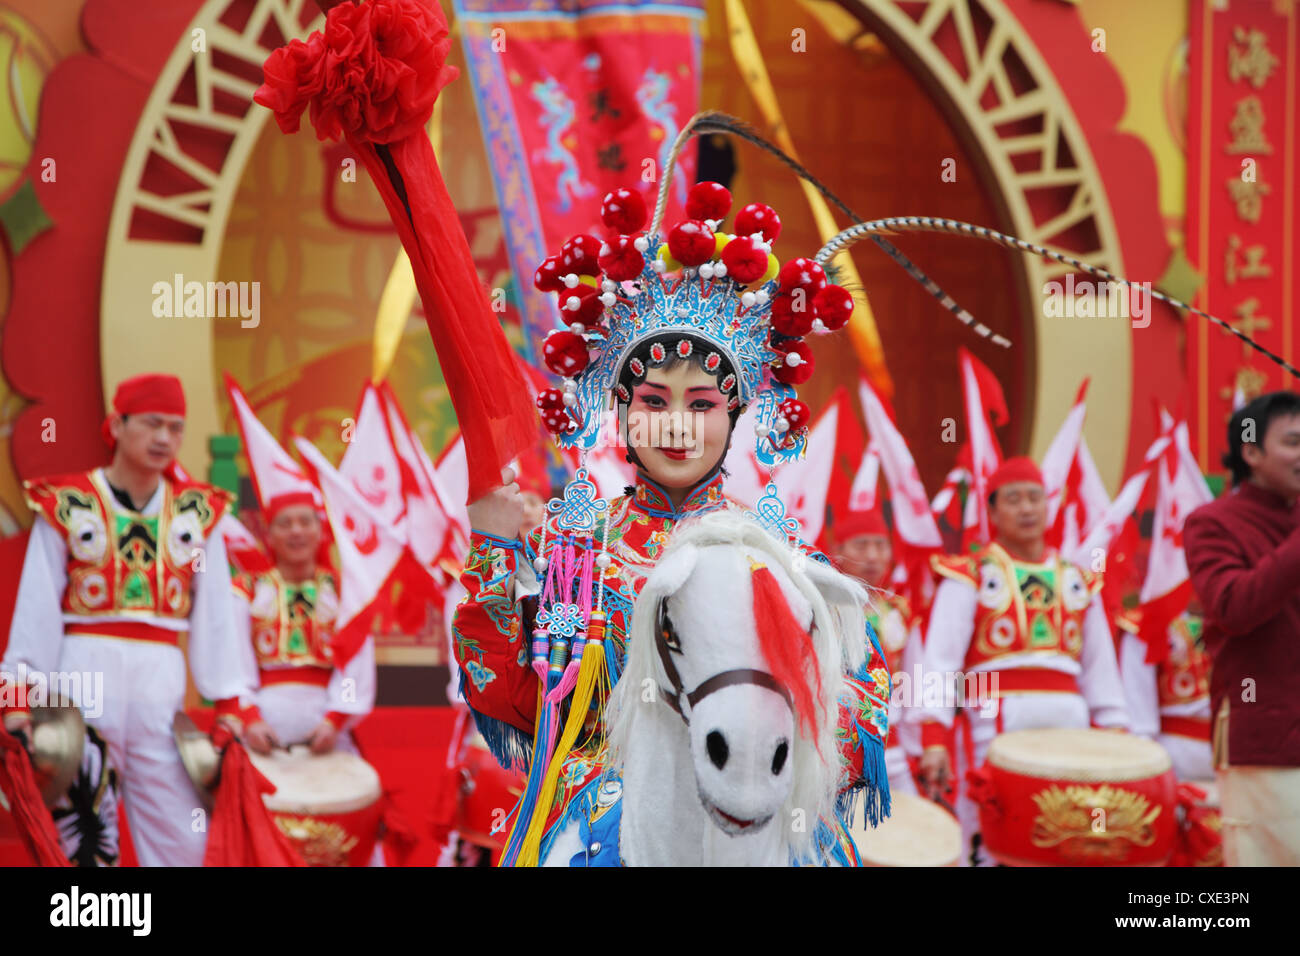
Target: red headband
(854, 524)
(1015, 469)
(286, 500)
(145, 393)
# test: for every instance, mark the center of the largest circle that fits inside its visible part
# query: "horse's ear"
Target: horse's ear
(671, 573)
(836, 589)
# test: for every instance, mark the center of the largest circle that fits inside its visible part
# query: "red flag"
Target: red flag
(243, 832)
(986, 408)
(369, 552)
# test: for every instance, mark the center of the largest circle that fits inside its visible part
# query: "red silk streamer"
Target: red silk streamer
(371, 78)
(787, 647)
(33, 820)
(243, 832)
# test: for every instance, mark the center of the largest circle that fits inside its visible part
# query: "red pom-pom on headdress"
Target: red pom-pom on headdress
(691, 242)
(802, 273)
(550, 400)
(793, 313)
(797, 363)
(581, 255)
(621, 260)
(834, 306)
(549, 277)
(795, 412)
(708, 201)
(565, 353)
(745, 258)
(623, 210)
(758, 217)
(590, 310)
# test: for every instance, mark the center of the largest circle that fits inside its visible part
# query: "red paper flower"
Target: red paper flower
(373, 74)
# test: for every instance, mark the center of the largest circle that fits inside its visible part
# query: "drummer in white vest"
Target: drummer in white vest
(1021, 638)
(1168, 692)
(285, 615)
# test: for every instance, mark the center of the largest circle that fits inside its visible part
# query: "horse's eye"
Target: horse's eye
(669, 633)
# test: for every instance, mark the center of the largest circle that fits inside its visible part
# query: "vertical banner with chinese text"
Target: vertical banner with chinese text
(575, 98)
(1242, 204)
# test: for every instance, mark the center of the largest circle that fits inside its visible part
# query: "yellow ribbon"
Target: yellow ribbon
(862, 326)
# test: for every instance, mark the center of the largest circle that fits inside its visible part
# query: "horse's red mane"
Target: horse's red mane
(786, 646)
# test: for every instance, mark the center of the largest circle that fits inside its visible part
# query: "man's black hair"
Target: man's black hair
(1257, 415)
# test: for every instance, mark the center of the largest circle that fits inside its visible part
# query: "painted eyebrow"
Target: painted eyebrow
(662, 388)
(703, 388)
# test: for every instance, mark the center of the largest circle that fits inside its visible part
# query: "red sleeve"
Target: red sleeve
(491, 647)
(1238, 597)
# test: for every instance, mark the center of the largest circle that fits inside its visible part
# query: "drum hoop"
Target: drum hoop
(1155, 764)
(319, 804)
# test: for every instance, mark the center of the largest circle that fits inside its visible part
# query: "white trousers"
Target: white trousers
(900, 773)
(1026, 711)
(143, 686)
(295, 710)
(1192, 759)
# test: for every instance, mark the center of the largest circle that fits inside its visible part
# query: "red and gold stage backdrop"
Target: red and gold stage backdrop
(1242, 203)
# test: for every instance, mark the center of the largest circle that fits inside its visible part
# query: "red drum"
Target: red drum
(1058, 797)
(1200, 834)
(487, 794)
(329, 805)
(917, 832)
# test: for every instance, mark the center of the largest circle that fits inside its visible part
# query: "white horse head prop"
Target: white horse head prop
(724, 720)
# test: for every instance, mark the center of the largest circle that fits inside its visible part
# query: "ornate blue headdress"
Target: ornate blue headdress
(722, 291)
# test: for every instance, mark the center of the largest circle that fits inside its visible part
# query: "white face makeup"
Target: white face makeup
(677, 421)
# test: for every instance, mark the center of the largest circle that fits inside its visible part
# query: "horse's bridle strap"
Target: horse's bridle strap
(715, 683)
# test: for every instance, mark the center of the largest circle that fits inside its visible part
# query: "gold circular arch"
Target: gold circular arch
(981, 87)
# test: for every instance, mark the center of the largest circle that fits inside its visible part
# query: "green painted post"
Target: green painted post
(224, 473)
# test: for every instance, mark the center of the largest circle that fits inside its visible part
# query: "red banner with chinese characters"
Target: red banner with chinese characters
(578, 97)
(1242, 205)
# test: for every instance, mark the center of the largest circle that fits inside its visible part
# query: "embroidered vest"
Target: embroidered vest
(292, 625)
(121, 562)
(1184, 676)
(892, 630)
(1022, 607)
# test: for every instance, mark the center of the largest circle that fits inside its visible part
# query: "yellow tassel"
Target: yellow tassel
(591, 676)
(541, 690)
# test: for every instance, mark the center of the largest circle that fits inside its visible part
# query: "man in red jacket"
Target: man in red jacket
(1243, 555)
